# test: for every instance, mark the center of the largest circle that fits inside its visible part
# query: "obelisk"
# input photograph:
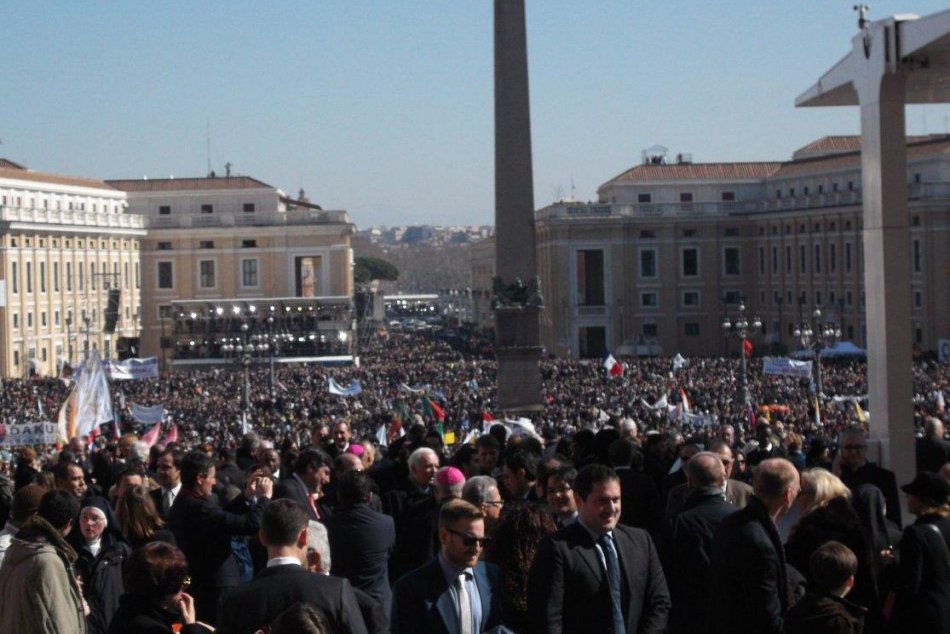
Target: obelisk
(517, 296)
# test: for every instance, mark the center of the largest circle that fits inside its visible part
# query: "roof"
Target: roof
(929, 146)
(188, 184)
(697, 171)
(9, 169)
(838, 144)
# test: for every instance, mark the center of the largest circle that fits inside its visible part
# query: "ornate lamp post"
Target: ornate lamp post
(741, 327)
(815, 335)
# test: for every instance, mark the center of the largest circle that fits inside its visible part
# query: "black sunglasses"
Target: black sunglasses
(470, 541)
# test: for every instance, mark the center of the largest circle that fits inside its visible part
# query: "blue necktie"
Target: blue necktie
(613, 580)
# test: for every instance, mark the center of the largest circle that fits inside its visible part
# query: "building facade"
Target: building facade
(671, 249)
(226, 243)
(68, 246)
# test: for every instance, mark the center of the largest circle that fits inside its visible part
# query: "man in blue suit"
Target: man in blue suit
(455, 593)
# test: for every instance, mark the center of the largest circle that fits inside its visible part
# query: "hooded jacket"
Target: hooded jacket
(819, 613)
(40, 594)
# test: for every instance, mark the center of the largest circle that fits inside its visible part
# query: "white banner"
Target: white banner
(336, 389)
(786, 367)
(147, 415)
(943, 350)
(28, 434)
(132, 369)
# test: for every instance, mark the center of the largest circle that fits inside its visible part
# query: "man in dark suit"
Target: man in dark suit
(361, 540)
(640, 506)
(687, 538)
(423, 463)
(857, 470)
(454, 588)
(286, 580)
(305, 486)
(737, 493)
(932, 450)
(596, 575)
(203, 530)
(169, 477)
(748, 589)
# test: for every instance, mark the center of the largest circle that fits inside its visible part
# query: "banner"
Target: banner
(147, 415)
(784, 366)
(93, 402)
(336, 389)
(132, 369)
(44, 433)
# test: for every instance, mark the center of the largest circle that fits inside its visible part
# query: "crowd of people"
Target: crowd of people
(657, 501)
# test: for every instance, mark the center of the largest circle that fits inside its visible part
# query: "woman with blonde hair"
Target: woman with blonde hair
(138, 519)
(827, 515)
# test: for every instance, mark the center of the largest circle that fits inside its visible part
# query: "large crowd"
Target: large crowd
(654, 501)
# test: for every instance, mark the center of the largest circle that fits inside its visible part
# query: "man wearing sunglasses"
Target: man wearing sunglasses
(455, 593)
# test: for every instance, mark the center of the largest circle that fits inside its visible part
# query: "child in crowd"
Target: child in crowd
(824, 610)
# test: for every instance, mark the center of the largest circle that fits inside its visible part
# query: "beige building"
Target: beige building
(672, 247)
(236, 243)
(483, 272)
(67, 245)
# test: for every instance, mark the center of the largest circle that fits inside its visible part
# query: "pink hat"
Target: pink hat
(355, 449)
(449, 476)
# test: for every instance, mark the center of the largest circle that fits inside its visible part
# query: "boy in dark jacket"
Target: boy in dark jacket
(824, 610)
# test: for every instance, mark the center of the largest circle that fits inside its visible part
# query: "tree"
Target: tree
(369, 269)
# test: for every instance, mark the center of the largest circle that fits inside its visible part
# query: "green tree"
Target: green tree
(369, 269)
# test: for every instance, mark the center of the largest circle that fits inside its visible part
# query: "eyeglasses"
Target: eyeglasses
(470, 541)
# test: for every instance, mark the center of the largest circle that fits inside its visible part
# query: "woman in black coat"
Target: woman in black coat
(827, 515)
(156, 576)
(101, 553)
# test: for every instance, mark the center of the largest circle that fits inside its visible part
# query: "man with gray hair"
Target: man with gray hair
(687, 539)
(932, 450)
(628, 429)
(423, 463)
(482, 491)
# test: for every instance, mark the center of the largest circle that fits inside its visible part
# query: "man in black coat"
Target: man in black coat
(641, 506)
(424, 600)
(748, 590)
(169, 477)
(286, 581)
(305, 486)
(203, 530)
(361, 540)
(687, 539)
(932, 450)
(596, 575)
(857, 470)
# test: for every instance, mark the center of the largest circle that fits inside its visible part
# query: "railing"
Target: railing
(255, 219)
(915, 191)
(71, 217)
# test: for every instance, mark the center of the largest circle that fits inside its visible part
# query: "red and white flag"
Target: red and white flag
(612, 366)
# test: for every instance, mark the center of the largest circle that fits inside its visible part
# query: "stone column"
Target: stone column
(517, 297)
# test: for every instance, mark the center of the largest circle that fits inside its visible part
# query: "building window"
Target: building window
(206, 274)
(650, 330)
(817, 298)
(43, 318)
(918, 299)
(731, 232)
(728, 197)
(644, 198)
(832, 257)
(848, 298)
(249, 273)
(592, 341)
(689, 262)
(29, 320)
(56, 318)
(788, 259)
(15, 278)
(206, 244)
(165, 311)
(690, 298)
(138, 281)
(802, 261)
(647, 263)
(164, 246)
(761, 260)
(69, 276)
(207, 209)
(817, 258)
(686, 197)
(164, 210)
(916, 256)
(649, 300)
(847, 257)
(590, 277)
(691, 329)
(29, 277)
(92, 275)
(774, 259)
(249, 244)
(733, 297)
(731, 261)
(55, 277)
(166, 277)
(16, 320)
(689, 233)
(647, 234)
(248, 207)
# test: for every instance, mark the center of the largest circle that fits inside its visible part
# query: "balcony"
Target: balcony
(71, 217)
(255, 219)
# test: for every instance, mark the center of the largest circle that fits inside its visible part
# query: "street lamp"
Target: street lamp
(741, 327)
(815, 335)
(242, 351)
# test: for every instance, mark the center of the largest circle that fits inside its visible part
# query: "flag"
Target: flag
(151, 436)
(686, 408)
(449, 438)
(431, 410)
(611, 365)
(147, 414)
(66, 420)
(245, 424)
(439, 427)
(747, 348)
(679, 362)
(93, 402)
(859, 411)
(336, 389)
(171, 436)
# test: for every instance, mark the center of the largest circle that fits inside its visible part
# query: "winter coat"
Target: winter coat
(820, 613)
(102, 581)
(141, 616)
(40, 594)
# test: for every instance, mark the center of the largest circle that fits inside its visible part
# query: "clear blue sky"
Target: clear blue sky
(384, 107)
